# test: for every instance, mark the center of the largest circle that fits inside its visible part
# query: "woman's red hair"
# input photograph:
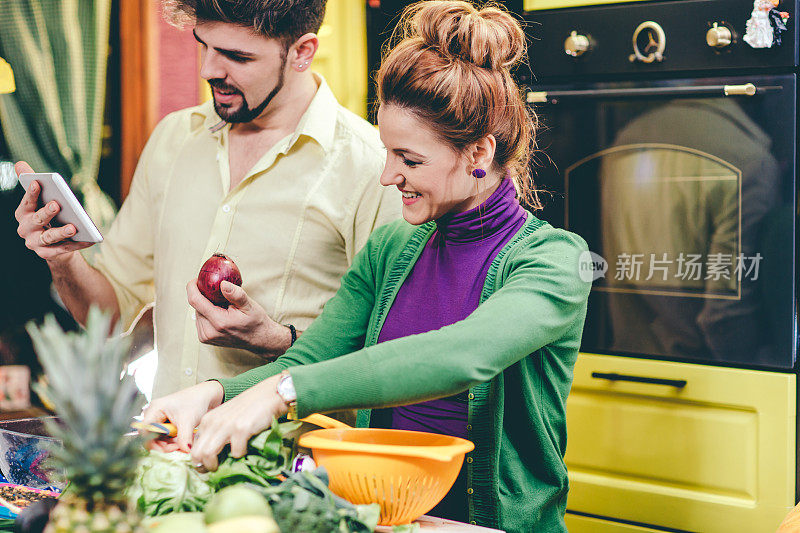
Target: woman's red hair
(451, 66)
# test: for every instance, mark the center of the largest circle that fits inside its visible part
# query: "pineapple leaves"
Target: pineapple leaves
(94, 402)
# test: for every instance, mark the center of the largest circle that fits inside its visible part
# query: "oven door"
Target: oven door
(685, 192)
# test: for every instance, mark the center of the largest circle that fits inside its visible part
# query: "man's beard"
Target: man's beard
(243, 113)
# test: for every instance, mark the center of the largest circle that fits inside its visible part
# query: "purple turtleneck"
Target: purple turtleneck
(444, 287)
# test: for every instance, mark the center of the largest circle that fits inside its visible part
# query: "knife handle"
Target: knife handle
(162, 429)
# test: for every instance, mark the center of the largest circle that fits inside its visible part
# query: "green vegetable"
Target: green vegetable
(267, 456)
(305, 503)
(168, 483)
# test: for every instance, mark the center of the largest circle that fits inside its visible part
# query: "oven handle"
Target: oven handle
(613, 376)
(554, 97)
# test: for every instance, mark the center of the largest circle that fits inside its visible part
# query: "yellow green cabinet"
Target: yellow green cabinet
(716, 455)
(342, 54)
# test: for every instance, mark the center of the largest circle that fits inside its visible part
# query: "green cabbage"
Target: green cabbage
(168, 483)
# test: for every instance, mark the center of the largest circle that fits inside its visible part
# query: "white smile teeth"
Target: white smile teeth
(411, 194)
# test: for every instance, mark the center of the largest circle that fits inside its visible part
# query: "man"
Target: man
(274, 173)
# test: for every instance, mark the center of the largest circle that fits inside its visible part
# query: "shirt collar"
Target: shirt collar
(318, 122)
(204, 117)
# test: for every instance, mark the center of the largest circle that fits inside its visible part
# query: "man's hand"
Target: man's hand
(51, 244)
(235, 421)
(244, 324)
(184, 408)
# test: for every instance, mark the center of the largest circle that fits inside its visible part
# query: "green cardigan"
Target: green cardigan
(515, 353)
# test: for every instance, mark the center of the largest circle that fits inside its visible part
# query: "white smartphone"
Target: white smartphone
(53, 187)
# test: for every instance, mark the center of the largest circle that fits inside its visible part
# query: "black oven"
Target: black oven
(669, 144)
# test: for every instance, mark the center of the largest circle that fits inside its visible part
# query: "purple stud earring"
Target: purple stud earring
(479, 173)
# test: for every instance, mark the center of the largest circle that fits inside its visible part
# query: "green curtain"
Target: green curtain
(59, 52)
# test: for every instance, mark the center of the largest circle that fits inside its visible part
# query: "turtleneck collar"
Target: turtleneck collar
(499, 211)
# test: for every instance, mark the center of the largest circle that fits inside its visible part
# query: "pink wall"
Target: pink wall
(177, 69)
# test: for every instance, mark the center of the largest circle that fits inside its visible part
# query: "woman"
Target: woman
(465, 318)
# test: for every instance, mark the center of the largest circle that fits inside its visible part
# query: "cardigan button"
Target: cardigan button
(473, 522)
(469, 427)
(470, 491)
(469, 459)
(471, 396)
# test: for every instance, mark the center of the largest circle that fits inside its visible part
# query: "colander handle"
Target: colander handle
(443, 456)
(325, 422)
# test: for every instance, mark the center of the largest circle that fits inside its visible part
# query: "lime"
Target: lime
(236, 501)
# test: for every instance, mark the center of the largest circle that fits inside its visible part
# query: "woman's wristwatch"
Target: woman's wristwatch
(288, 394)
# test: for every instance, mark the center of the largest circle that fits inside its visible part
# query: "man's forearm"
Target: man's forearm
(80, 285)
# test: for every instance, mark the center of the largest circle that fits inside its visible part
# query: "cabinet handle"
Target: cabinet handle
(613, 376)
(692, 91)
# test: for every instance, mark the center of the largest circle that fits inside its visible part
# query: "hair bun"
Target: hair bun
(489, 38)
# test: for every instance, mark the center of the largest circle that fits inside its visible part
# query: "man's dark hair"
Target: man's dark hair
(286, 20)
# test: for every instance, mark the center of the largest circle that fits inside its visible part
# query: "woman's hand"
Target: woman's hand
(184, 408)
(236, 421)
(244, 324)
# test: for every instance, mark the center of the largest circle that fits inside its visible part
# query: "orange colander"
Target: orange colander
(406, 472)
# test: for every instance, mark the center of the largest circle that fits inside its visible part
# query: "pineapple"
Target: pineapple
(95, 407)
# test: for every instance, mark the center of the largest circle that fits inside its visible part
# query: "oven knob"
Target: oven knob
(576, 45)
(648, 38)
(718, 36)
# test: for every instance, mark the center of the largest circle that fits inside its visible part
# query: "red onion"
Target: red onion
(303, 463)
(218, 268)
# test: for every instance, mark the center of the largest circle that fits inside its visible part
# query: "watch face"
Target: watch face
(286, 389)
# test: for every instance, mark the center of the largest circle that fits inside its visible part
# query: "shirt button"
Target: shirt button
(470, 491)
(469, 427)
(188, 371)
(226, 208)
(471, 396)
(469, 459)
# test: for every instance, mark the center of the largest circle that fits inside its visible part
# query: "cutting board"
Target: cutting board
(439, 525)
